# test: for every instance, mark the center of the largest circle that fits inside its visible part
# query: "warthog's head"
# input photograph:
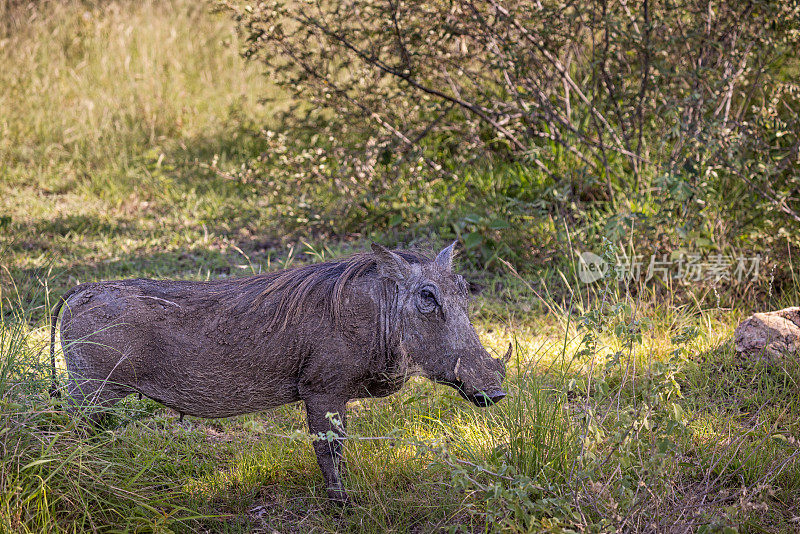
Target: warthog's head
(434, 330)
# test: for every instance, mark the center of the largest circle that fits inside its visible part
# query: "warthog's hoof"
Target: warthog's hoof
(338, 497)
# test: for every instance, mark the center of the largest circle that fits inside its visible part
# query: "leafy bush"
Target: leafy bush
(683, 116)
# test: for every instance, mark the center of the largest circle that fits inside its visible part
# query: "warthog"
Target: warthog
(322, 334)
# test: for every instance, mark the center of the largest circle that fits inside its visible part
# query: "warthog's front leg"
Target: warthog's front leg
(329, 452)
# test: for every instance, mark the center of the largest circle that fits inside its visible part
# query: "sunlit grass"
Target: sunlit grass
(111, 113)
(105, 82)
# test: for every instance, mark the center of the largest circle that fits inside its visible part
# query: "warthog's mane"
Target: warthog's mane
(285, 296)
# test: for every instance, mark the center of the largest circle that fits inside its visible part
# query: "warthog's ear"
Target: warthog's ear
(390, 264)
(444, 260)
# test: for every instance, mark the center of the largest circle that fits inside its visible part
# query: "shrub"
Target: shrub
(681, 114)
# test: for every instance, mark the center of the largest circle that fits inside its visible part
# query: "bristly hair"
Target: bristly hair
(290, 293)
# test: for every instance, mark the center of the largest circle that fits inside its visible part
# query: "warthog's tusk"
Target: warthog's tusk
(507, 355)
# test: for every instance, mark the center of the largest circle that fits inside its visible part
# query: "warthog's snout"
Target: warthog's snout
(484, 398)
(480, 381)
(481, 399)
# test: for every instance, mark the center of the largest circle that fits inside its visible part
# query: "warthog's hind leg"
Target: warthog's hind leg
(329, 452)
(93, 398)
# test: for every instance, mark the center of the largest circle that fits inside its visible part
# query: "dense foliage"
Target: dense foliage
(678, 118)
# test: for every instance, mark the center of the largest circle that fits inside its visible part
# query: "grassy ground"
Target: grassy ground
(122, 123)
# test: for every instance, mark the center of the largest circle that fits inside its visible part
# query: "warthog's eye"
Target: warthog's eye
(427, 300)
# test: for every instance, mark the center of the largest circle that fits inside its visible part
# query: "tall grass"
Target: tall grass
(93, 91)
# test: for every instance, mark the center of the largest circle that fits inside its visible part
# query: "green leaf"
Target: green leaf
(472, 240)
(499, 224)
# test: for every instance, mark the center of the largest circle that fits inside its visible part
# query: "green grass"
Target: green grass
(123, 123)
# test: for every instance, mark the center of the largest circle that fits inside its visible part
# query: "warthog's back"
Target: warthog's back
(181, 343)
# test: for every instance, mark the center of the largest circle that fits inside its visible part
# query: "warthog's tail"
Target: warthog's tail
(54, 392)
